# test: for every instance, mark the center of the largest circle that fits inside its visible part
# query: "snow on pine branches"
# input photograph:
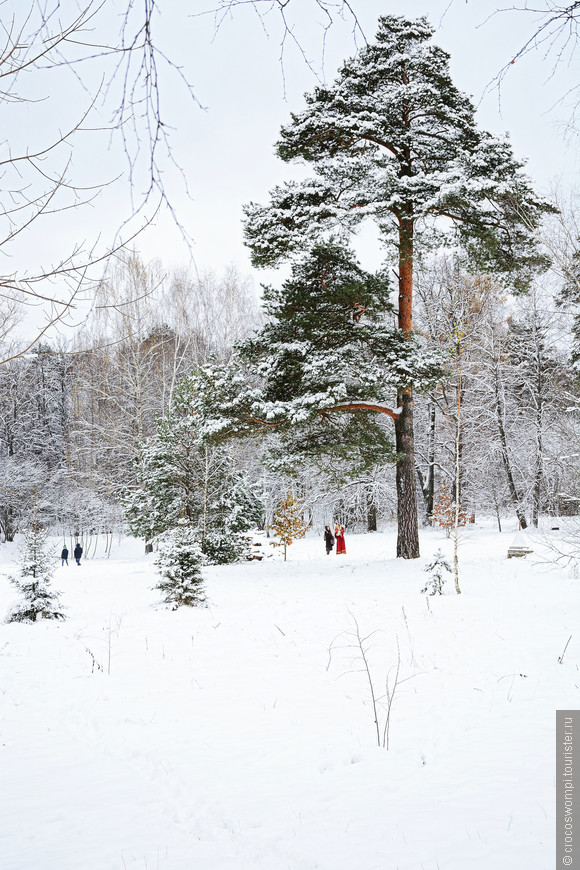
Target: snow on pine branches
(322, 373)
(179, 562)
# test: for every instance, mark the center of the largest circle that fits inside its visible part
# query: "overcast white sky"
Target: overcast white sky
(227, 150)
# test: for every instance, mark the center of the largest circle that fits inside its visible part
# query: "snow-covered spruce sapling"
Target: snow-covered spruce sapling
(179, 562)
(37, 562)
(436, 570)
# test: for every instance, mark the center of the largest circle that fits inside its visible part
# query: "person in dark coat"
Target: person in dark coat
(64, 556)
(77, 553)
(328, 539)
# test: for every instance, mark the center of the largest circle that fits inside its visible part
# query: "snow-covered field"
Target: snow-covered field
(242, 735)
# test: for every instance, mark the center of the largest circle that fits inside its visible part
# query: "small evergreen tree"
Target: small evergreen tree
(434, 585)
(444, 511)
(179, 563)
(287, 522)
(36, 570)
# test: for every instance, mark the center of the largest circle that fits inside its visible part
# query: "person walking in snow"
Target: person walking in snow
(340, 544)
(64, 556)
(77, 553)
(328, 539)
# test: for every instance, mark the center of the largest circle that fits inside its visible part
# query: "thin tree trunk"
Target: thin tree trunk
(539, 474)
(371, 513)
(515, 496)
(457, 473)
(539, 469)
(430, 487)
(206, 496)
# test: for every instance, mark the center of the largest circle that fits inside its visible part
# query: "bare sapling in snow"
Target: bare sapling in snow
(561, 657)
(39, 600)
(437, 575)
(118, 621)
(179, 562)
(390, 695)
(381, 704)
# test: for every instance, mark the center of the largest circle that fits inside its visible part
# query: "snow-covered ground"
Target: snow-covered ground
(243, 736)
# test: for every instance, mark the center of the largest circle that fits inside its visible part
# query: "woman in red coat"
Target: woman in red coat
(339, 535)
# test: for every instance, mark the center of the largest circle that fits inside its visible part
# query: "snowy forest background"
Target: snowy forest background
(78, 425)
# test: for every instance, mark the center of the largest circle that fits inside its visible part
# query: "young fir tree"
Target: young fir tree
(287, 522)
(179, 562)
(394, 141)
(37, 561)
(436, 571)
(181, 475)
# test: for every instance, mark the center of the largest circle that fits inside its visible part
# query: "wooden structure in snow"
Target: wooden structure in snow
(520, 546)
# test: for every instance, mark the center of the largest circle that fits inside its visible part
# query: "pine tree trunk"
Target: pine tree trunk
(408, 525)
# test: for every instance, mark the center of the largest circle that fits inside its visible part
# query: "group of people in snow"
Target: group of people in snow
(77, 553)
(329, 539)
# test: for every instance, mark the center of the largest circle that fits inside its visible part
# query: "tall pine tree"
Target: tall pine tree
(394, 141)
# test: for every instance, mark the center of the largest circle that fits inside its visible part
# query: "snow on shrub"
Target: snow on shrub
(179, 562)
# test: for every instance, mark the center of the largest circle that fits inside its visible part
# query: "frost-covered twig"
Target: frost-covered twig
(390, 698)
(561, 658)
(360, 644)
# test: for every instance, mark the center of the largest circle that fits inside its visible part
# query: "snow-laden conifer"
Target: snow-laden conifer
(37, 561)
(323, 371)
(179, 562)
(393, 140)
(437, 571)
(181, 474)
